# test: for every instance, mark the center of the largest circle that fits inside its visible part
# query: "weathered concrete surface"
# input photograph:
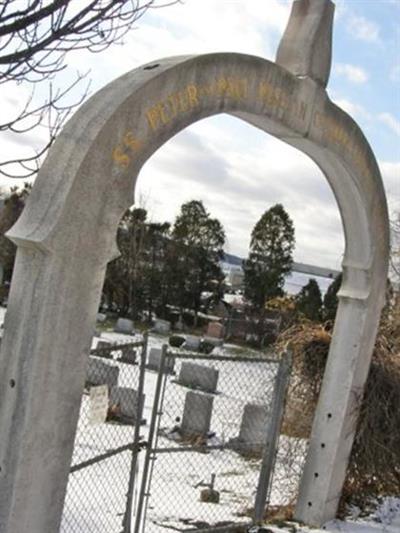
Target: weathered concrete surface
(82, 190)
(306, 46)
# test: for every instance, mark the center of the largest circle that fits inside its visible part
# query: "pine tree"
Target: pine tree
(309, 301)
(198, 242)
(331, 300)
(270, 257)
(14, 202)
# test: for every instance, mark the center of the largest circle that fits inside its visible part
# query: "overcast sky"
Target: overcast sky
(236, 170)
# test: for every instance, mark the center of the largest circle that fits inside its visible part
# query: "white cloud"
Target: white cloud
(353, 73)
(363, 29)
(390, 121)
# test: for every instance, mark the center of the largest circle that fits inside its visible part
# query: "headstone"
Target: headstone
(103, 344)
(98, 405)
(128, 355)
(101, 317)
(191, 343)
(214, 341)
(198, 376)
(215, 329)
(124, 325)
(100, 373)
(154, 361)
(197, 414)
(162, 326)
(126, 400)
(253, 428)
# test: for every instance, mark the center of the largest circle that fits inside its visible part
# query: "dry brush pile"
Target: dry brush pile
(374, 467)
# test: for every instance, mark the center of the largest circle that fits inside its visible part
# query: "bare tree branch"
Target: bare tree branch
(35, 37)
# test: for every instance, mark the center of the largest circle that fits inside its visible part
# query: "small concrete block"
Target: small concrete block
(154, 361)
(215, 329)
(100, 373)
(191, 343)
(197, 414)
(162, 326)
(253, 428)
(198, 376)
(126, 400)
(124, 325)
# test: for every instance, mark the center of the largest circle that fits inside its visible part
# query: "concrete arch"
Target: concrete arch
(66, 236)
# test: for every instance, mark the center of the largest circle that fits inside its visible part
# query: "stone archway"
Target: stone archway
(66, 236)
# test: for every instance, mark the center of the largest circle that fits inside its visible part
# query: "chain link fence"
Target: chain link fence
(212, 434)
(100, 487)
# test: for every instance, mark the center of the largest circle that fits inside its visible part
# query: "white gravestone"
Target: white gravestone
(100, 373)
(197, 414)
(98, 405)
(198, 376)
(124, 325)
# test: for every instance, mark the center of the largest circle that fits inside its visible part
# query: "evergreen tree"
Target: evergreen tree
(331, 300)
(197, 241)
(309, 301)
(270, 257)
(13, 204)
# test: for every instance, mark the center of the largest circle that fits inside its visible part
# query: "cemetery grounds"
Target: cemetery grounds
(178, 478)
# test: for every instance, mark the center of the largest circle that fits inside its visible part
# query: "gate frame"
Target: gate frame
(281, 382)
(134, 446)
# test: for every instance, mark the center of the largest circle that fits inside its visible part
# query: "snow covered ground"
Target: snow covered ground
(97, 495)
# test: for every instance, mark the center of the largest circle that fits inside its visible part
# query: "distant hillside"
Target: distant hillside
(297, 267)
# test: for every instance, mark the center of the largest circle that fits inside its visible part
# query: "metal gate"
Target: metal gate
(212, 442)
(100, 489)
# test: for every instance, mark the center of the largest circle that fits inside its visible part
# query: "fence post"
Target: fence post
(127, 521)
(152, 433)
(271, 445)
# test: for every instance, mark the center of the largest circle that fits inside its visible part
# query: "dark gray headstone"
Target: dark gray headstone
(197, 413)
(154, 361)
(126, 400)
(198, 376)
(100, 373)
(124, 325)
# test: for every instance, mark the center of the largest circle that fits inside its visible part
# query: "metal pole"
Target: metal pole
(150, 439)
(127, 521)
(270, 449)
(156, 435)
